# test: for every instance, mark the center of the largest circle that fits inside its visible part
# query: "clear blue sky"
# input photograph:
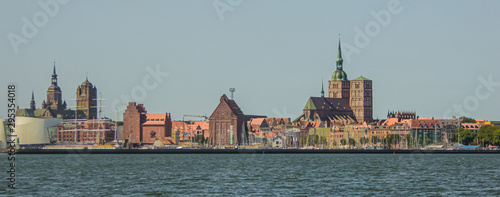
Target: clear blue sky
(427, 58)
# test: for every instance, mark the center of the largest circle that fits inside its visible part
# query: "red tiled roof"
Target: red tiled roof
(155, 119)
(425, 124)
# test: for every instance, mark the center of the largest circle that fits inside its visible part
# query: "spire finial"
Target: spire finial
(32, 95)
(54, 75)
(322, 89)
(54, 67)
(339, 57)
(86, 76)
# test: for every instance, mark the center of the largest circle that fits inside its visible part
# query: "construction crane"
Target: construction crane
(191, 129)
(198, 116)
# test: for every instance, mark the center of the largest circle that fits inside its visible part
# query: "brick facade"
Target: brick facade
(144, 128)
(225, 123)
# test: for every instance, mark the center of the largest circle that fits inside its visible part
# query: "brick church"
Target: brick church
(348, 101)
(55, 107)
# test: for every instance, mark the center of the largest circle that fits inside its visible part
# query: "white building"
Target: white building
(3, 133)
(36, 131)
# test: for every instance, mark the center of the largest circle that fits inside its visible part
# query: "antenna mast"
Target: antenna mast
(232, 90)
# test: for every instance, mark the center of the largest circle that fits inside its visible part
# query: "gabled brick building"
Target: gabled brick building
(227, 124)
(141, 127)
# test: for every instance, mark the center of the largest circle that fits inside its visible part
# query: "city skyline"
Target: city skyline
(275, 60)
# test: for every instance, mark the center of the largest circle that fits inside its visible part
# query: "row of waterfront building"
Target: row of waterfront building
(341, 119)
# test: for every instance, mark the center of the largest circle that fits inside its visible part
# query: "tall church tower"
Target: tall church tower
(86, 95)
(339, 86)
(54, 95)
(361, 99)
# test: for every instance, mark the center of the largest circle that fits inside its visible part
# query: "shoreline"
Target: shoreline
(246, 151)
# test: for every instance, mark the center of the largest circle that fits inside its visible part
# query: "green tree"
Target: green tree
(486, 133)
(352, 142)
(322, 141)
(363, 140)
(467, 136)
(343, 142)
(409, 140)
(454, 136)
(467, 120)
(375, 140)
(303, 140)
(387, 141)
(393, 139)
(264, 141)
(496, 138)
(200, 139)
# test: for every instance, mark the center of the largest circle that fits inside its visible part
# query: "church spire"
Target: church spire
(32, 103)
(339, 57)
(322, 89)
(54, 75)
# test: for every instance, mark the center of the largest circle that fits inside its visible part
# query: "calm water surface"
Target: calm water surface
(255, 175)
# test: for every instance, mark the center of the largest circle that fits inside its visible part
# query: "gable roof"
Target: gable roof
(235, 109)
(322, 103)
(261, 122)
(361, 78)
(42, 112)
(25, 113)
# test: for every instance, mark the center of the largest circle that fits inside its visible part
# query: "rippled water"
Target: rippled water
(255, 175)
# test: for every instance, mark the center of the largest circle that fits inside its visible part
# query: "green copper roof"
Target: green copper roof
(361, 79)
(339, 55)
(339, 75)
(310, 105)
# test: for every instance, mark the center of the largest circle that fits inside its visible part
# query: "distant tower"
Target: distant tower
(361, 101)
(32, 103)
(86, 95)
(54, 94)
(339, 86)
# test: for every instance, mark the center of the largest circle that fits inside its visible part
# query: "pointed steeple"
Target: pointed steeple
(339, 74)
(54, 75)
(32, 103)
(322, 90)
(339, 57)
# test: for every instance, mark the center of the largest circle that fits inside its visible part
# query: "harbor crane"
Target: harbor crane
(191, 129)
(198, 116)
